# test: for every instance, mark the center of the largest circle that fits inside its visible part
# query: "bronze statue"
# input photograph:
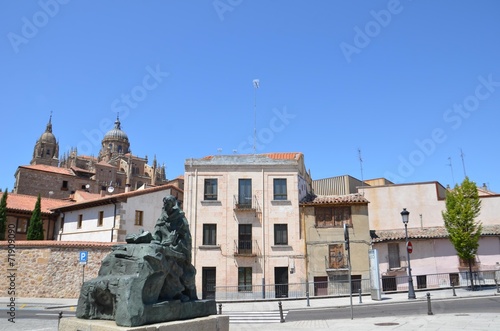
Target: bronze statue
(150, 279)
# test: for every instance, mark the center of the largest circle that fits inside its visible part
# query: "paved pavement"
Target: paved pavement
(252, 315)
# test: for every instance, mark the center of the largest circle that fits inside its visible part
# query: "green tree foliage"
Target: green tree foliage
(462, 208)
(35, 230)
(3, 215)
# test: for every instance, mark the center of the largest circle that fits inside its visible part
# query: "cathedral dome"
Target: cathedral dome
(116, 133)
(48, 138)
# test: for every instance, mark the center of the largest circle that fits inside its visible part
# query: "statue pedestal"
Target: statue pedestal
(213, 322)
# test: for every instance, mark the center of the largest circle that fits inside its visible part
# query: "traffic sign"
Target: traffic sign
(84, 255)
(409, 247)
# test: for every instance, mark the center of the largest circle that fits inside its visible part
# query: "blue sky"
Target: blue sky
(412, 85)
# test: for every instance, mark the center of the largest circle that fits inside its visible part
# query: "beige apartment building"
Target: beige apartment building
(243, 210)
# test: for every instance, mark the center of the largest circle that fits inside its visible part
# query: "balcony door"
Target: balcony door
(245, 192)
(245, 239)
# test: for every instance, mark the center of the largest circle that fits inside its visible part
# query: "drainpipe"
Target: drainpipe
(263, 236)
(195, 216)
(114, 222)
(62, 223)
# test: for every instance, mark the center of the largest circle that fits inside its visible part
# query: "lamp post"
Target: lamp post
(405, 215)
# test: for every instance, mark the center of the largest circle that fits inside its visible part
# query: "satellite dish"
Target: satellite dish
(111, 189)
(87, 186)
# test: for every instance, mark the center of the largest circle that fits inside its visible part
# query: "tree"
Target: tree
(3, 215)
(35, 230)
(462, 207)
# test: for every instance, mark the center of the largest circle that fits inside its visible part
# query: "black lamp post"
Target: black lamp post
(405, 215)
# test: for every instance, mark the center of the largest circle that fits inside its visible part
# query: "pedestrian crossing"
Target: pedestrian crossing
(247, 317)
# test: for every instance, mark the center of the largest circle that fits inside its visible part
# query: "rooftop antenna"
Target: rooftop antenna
(451, 168)
(219, 150)
(361, 167)
(463, 162)
(256, 84)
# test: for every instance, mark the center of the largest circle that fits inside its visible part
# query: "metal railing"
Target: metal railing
(291, 290)
(246, 248)
(341, 288)
(435, 281)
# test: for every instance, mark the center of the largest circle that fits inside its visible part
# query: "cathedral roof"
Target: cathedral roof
(116, 133)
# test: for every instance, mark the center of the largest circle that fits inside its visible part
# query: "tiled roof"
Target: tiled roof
(336, 199)
(284, 156)
(105, 164)
(424, 233)
(274, 156)
(76, 169)
(46, 168)
(26, 203)
(108, 199)
(66, 244)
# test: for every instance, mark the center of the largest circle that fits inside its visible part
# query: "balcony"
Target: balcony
(248, 248)
(242, 203)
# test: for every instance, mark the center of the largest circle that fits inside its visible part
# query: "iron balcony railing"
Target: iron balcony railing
(246, 248)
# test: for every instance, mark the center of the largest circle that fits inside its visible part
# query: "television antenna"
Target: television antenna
(463, 162)
(361, 167)
(451, 168)
(256, 84)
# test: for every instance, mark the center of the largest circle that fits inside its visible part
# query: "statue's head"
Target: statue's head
(169, 202)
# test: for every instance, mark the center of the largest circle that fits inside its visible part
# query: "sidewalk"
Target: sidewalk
(437, 321)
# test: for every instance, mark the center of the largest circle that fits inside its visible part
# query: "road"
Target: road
(462, 306)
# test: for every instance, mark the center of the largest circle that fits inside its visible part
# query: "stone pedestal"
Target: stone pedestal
(212, 323)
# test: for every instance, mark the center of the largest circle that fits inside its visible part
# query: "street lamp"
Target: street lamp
(405, 215)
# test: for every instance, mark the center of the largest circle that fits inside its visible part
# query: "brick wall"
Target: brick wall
(48, 269)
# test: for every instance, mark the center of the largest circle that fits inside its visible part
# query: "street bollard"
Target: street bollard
(60, 316)
(360, 299)
(220, 308)
(453, 287)
(282, 320)
(307, 293)
(429, 309)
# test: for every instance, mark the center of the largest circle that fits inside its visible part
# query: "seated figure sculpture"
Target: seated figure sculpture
(149, 279)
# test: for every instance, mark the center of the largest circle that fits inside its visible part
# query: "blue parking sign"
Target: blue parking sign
(83, 257)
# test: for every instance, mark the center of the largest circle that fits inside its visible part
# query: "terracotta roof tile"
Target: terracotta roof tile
(119, 197)
(424, 233)
(26, 203)
(46, 168)
(54, 243)
(284, 156)
(337, 199)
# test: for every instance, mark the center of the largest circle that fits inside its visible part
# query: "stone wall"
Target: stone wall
(48, 269)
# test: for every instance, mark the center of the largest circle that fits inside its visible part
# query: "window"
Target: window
(210, 189)
(245, 239)
(244, 279)
(64, 186)
(422, 281)
(100, 218)
(139, 214)
(336, 258)
(209, 234)
(22, 225)
(279, 189)
(327, 217)
(80, 221)
(280, 234)
(245, 193)
(394, 261)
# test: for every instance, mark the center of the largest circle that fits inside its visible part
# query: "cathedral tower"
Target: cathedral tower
(114, 143)
(46, 148)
